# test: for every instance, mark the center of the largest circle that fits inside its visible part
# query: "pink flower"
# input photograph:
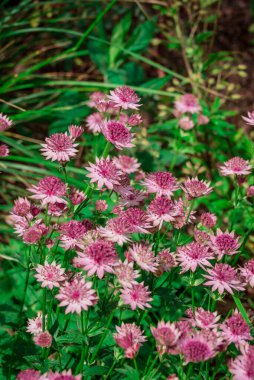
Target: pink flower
(5, 122)
(186, 123)
(75, 131)
(129, 337)
(161, 183)
(43, 339)
(94, 97)
(201, 237)
(104, 172)
(71, 234)
(65, 375)
(57, 209)
(137, 296)
(194, 255)
(125, 98)
(135, 119)
(235, 166)
(223, 277)
(236, 330)
(242, 367)
(224, 243)
(116, 230)
(59, 147)
(49, 190)
(195, 188)
(101, 205)
(94, 122)
(250, 191)
(204, 319)
(34, 325)
(50, 275)
(184, 214)
(250, 118)
(77, 196)
(116, 133)
(197, 348)
(125, 273)
(166, 335)
(208, 219)
(160, 210)
(166, 261)
(29, 374)
(132, 198)
(136, 220)
(187, 103)
(143, 255)
(124, 187)
(22, 207)
(248, 272)
(77, 295)
(203, 120)
(4, 150)
(32, 235)
(127, 164)
(99, 257)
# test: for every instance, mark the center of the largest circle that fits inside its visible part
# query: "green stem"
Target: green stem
(153, 364)
(26, 283)
(111, 369)
(44, 309)
(102, 337)
(135, 365)
(106, 150)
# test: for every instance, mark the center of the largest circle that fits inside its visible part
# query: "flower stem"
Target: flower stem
(26, 284)
(44, 301)
(102, 337)
(106, 150)
(111, 369)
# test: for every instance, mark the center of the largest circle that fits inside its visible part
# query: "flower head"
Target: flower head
(224, 243)
(5, 122)
(204, 319)
(201, 237)
(248, 272)
(125, 273)
(116, 230)
(242, 367)
(94, 122)
(125, 98)
(166, 335)
(161, 183)
(249, 119)
(193, 255)
(104, 172)
(166, 261)
(116, 133)
(143, 255)
(186, 123)
(208, 219)
(77, 295)
(65, 375)
(71, 234)
(43, 339)
(101, 205)
(135, 119)
(77, 196)
(197, 348)
(160, 210)
(132, 198)
(203, 120)
(34, 325)
(127, 164)
(4, 150)
(136, 220)
(22, 207)
(49, 190)
(195, 188)
(137, 296)
(250, 192)
(187, 103)
(59, 147)
(75, 131)
(236, 330)
(235, 166)
(129, 337)
(29, 374)
(50, 275)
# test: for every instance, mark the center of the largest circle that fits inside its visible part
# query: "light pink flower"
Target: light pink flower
(135, 119)
(250, 191)
(59, 147)
(161, 183)
(203, 120)
(116, 133)
(124, 187)
(248, 272)
(77, 295)
(197, 348)
(208, 219)
(65, 375)
(75, 131)
(125, 98)
(94, 122)
(195, 188)
(49, 190)
(94, 97)
(166, 261)
(242, 367)
(201, 237)
(236, 330)
(43, 339)
(132, 198)
(136, 220)
(143, 255)
(50, 275)
(235, 166)
(104, 172)
(184, 214)
(125, 273)
(204, 319)
(160, 210)
(71, 234)
(34, 325)
(224, 243)
(99, 257)
(166, 335)
(193, 255)
(29, 374)
(101, 205)
(5, 122)
(32, 235)
(4, 150)
(137, 296)
(77, 196)
(223, 277)
(249, 119)
(187, 103)
(186, 123)
(127, 164)
(129, 337)
(116, 230)
(22, 207)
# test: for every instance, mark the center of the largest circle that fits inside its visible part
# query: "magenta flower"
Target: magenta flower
(101, 205)
(4, 150)
(249, 119)
(94, 98)
(201, 237)
(135, 119)
(99, 257)
(124, 187)
(224, 243)
(29, 374)
(132, 198)
(137, 296)
(236, 330)
(34, 325)
(184, 214)
(161, 183)
(57, 209)
(77, 295)
(143, 255)
(50, 275)
(59, 147)
(203, 120)
(77, 196)
(224, 277)
(75, 131)
(49, 190)
(5, 122)
(194, 255)
(195, 188)
(71, 234)
(43, 339)
(116, 230)
(129, 337)
(136, 220)
(166, 261)
(235, 166)
(197, 348)
(248, 272)
(125, 273)
(124, 97)
(208, 219)
(187, 103)
(204, 319)
(117, 134)
(242, 367)
(166, 335)
(160, 210)
(65, 375)
(32, 235)
(127, 164)
(94, 122)
(22, 207)
(186, 123)
(104, 172)
(250, 192)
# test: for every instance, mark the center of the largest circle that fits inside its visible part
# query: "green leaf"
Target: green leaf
(141, 37)
(157, 83)
(117, 39)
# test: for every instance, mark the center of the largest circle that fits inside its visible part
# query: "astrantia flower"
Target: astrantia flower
(94, 122)
(98, 257)
(186, 123)
(249, 119)
(195, 188)
(50, 275)
(137, 296)
(125, 273)
(101, 205)
(160, 210)
(116, 230)
(166, 261)
(94, 97)
(75, 131)
(196, 349)
(250, 191)
(29, 374)
(187, 103)
(65, 375)
(136, 220)
(224, 277)
(208, 219)
(135, 119)
(71, 234)
(124, 187)
(77, 196)
(127, 164)
(5, 122)
(166, 335)
(129, 337)
(49, 190)
(204, 319)
(201, 237)
(43, 339)
(104, 172)
(248, 272)
(57, 209)
(132, 198)
(77, 295)
(161, 183)
(203, 120)
(242, 367)
(59, 147)
(184, 214)
(143, 255)
(235, 166)
(22, 207)
(125, 98)
(236, 330)
(34, 325)
(194, 255)
(4, 150)
(116, 133)
(224, 243)
(32, 235)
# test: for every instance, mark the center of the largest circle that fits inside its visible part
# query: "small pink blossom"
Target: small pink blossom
(22, 207)
(43, 339)
(195, 188)
(127, 164)
(166, 261)
(116, 230)
(94, 122)
(208, 219)
(65, 375)
(29, 374)
(166, 335)
(71, 234)
(77, 196)
(161, 210)
(4, 150)
(125, 98)
(143, 255)
(224, 243)
(34, 325)
(129, 337)
(194, 255)
(32, 235)
(204, 319)
(104, 172)
(137, 296)
(57, 209)
(101, 205)
(186, 123)
(249, 119)
(126, 274)
(5, 122)
(184, 214)
(49, 190)
(248, 272)
(124, 187)
(250, 192)
(161, 183)
(197, 348)
(132, 198)
(117, 134)
(50, 275)
(135, 119)
(94, 97)
(236, 166)
(201, 237)
(75, 131)
(242, 367)
(136, 220)
(187, 103)
(59, 147)
(203, 120)
(236, 330)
